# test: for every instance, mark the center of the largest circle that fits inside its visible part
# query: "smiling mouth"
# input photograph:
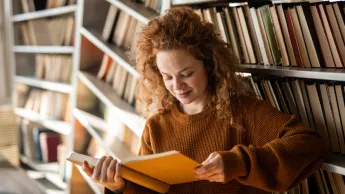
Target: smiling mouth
(183, 94)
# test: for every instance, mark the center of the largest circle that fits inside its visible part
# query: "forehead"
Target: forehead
(176, 59)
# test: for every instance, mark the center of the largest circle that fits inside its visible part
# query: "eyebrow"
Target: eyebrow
(180, 71)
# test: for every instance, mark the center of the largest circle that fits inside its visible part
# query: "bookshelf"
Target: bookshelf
(27, 59)
(88, 28)
(309, 73)
(91, 30)
(44, 13)
(49, 85)
(44, 49)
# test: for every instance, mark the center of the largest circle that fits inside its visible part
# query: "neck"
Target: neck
(194, 107)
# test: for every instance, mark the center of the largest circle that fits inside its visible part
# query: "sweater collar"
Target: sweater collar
(177, 114)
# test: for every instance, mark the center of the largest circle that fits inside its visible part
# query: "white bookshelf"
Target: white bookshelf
(40, 166)
(44, 13)
(194, 2)
(115, 52)
(136, 10)
(47, 182)
(335, 163)
(61, 127)
(118, 150)
(308, 73)
(43, 49)
(43, 84)
(124, 111)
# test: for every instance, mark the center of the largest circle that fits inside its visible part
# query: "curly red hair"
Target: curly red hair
(182, 28)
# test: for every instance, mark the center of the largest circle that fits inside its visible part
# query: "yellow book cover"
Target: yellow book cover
(156, 172)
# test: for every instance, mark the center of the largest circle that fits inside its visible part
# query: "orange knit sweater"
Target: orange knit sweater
(264, 150)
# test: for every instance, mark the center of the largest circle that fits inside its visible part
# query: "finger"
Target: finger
(206, 168)
(97, 170)
(118, 177)
(106, 163)
(219, 177)
(87, 168)
(210, 157)
(111, 170)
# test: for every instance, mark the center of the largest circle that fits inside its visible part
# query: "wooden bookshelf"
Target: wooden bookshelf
(44, 13)
(43, 84)
(44, 49)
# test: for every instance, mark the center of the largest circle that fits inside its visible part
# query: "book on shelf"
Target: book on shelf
(57, 31)
(318, 105)
(156, 172)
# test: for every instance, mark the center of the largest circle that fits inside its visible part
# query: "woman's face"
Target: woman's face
(184, 76)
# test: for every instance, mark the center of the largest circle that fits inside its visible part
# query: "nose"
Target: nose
(178, 84)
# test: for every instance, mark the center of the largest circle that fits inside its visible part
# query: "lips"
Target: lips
(183, 94)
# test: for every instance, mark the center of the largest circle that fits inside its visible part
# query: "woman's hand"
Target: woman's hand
(107, 172)
(212, 169)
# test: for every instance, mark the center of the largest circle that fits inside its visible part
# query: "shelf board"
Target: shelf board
(61, 127)
(309, 73)
(335, 163)
(124, 111)
(45, 184)
(40, 166)
(194, 2)
(137, 10)
(113, 51)
(44, 13)
(118, 149)
(98, 189)
(48, 85)
(43, 49)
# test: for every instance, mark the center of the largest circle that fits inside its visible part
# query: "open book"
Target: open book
(156, 172)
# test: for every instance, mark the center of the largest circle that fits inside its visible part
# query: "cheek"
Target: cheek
(168, 85)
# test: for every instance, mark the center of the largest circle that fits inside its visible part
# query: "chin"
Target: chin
(185, 101)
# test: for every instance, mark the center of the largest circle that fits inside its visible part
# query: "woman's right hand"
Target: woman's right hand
(107, 172)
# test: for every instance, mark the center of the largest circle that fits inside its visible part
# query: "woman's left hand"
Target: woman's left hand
(212, 169)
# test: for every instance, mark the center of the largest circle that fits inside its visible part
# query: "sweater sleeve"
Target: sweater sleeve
(284, 151)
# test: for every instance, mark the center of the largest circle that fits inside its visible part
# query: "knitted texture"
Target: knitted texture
(276, 153)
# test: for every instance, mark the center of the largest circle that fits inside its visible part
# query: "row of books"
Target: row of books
(55, 31)
(39, 144)
(321, 182)
(37, 5)
(318, 105)
(53, 67)
(154, 5)
(328, 182)
(123, 82)
(48, 104)
(121, 28)
(301, 35)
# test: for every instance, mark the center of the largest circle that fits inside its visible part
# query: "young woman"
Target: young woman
(206, 112)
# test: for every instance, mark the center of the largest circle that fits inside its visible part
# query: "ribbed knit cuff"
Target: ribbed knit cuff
(234, 164)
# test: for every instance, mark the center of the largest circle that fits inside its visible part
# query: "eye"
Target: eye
(167, 77)
(187, 75)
